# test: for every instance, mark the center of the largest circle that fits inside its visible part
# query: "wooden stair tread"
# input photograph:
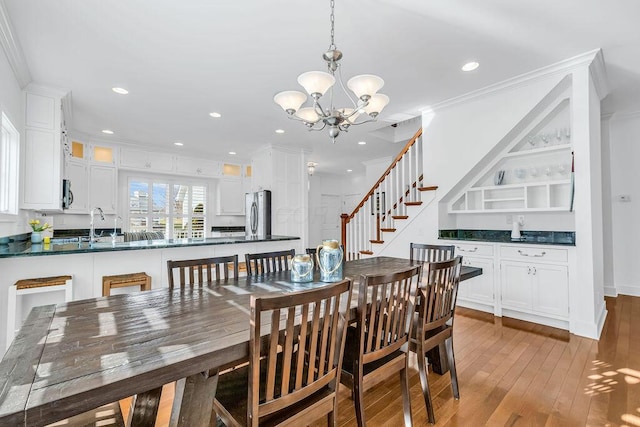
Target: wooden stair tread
(376, 241)
(412, 203)
(366, 252)
(400, 216)
(430, 188)
(391, 230)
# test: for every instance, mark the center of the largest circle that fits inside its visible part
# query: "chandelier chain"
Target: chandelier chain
(332, 19)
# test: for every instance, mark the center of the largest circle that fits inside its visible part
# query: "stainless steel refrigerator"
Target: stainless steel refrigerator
(258, 214)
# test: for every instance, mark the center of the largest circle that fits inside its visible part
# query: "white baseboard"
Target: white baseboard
(610, 291)
(631, 290)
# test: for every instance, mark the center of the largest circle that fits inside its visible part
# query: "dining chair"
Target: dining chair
(268, 262)
(296, 347)
(198, 271)
(312, 252)
(373, 350)
(429, 253)
(433, 323)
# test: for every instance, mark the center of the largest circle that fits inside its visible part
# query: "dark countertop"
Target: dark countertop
(25, 248)
(561, 238)
(227, 228)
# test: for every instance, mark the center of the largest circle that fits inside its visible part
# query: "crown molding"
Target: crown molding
(12, 49)
(562, 67)
(624, 116)
(598, 71)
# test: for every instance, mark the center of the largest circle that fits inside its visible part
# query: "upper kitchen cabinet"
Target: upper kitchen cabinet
(532, 171)
(233, 185)
(194, 166)
(146, 160)
(45, 135)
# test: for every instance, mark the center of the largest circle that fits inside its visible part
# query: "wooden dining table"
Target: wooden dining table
(73, 357)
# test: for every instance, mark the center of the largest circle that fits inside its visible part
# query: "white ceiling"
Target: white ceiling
(182, 59)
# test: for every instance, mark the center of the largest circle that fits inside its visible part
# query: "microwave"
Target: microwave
(67, 194)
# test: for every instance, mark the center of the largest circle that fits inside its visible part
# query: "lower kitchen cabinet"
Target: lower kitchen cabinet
(535, 288)
(478, 292)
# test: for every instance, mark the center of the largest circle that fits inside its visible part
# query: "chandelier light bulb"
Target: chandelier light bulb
(290, 100)
(365, 85)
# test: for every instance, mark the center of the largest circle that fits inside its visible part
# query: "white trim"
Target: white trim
(12, 48)
(610, 291)
(630, 290)
(561, 67)
(625, 115)
(599, 75)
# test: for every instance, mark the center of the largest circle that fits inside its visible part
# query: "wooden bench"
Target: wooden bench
(124, 280)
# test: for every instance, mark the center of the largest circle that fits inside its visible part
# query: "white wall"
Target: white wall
(624, 152)
(11, 105)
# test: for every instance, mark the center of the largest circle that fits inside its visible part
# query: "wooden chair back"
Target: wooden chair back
(438, 294)
(268, 262)
(194, 272)
(431, 253)
(385, 307)
(303, 351)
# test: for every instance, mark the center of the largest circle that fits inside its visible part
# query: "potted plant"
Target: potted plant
(36, 235)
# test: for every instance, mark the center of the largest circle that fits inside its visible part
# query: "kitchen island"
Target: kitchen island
(88, 263)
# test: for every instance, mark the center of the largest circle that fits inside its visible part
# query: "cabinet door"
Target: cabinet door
(480, 288)
(102, 188)
(78, 175)
(134, 159)
(550, 289)
(42, 172)
(230, 197)
(197, 167)
(161, 162)
(516, 285)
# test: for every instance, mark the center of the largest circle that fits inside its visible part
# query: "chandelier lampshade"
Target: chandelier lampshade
(365, 85)
(290, 100)
(365, 108)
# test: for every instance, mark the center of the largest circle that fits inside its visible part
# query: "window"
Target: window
(9, 160)
(177, 210)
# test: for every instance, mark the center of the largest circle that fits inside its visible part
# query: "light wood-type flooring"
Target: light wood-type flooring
(515, 373)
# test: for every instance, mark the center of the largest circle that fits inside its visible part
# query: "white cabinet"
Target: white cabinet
(194, 166)
(78, 175)
(536, 281)
(479, 289)
(230, 200)
(146, 160)
(103, 188)
(42, 167)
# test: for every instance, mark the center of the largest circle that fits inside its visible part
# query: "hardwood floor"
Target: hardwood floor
(515, 373)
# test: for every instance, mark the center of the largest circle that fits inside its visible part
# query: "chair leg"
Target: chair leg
(424, 381)
(452, 368)
(358, 395)
(331, 418)
(406, 396)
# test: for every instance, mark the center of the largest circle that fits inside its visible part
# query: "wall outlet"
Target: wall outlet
(509, 219)
(521, 219)
(624, 198)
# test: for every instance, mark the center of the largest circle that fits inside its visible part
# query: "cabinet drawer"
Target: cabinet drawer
(473, 249)
(538, 254)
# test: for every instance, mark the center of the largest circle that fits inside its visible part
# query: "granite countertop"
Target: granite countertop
(561, 238)
(25, 248)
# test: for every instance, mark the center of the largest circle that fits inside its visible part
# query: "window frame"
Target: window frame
(171, 215)
(9, 169)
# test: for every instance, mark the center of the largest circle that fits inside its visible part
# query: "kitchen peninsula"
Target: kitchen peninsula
(87, 263)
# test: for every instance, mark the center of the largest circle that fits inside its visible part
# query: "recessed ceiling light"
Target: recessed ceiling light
(215, 115)
(349, 170)
(178, 143)
(470, 66)
(233, 153)
(120, 90)
(279, 130)
(107, 131)
(362, 143)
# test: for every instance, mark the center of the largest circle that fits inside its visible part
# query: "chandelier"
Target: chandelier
(364, 109)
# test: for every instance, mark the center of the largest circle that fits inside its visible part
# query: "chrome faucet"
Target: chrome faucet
(92, 231)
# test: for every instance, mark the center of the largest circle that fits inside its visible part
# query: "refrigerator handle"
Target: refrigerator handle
(254, 218)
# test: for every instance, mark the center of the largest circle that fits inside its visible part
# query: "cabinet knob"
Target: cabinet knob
(199, 170)
(147, 165)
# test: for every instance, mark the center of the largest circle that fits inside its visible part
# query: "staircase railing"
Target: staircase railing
(386, 202)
